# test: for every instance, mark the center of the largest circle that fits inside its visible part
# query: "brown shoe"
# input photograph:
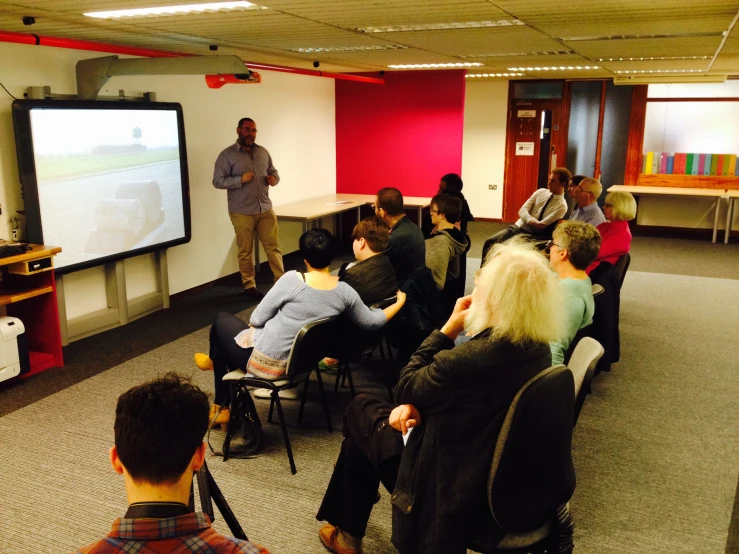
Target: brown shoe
(329, 536)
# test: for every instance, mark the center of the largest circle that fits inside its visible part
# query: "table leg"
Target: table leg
(729, 218)
(420, 216)
(715, 220)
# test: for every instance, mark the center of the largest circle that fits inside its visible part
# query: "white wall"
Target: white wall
(483, 146)
(295, 115)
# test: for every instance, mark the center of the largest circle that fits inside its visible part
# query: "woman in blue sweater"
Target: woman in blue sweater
(262, 348)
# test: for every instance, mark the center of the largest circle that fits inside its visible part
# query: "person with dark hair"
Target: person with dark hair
(159, 428)
(262, 348)
(245, 170)
(573, 248)
(451, 184)
(406, 249)
(448, 243)
(372, 275)
(540, 213)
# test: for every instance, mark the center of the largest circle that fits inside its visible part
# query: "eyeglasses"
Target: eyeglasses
(433, 211)
(608, 205)
(549, 244)
(247, 129)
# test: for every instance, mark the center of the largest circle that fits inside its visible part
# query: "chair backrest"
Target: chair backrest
(582, 364)
(309, 348)
(531, 474)
(622, 266)
(583, 332)
(598, 290)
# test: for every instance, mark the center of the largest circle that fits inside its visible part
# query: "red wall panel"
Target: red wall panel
(406, 133)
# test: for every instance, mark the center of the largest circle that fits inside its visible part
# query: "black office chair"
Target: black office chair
(350, 343)
(622, 266)
(532, 476)
(308, 349)
(582, 363)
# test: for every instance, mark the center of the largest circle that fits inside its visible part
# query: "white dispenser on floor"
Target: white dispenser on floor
(11, 329)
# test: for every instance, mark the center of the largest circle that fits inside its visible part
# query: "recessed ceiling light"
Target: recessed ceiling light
(632, 37)
(553, 68)
(434, 65)
(640, 71)
(652, 58)
(175, 10)
(482, 75)
(507, 55)
(440, 26)
(351, 48)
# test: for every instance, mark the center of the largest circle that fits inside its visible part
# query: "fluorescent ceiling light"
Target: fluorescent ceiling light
(647, 71)
(479, 75)
(434, 65)
(441, 26)
(564, 52)
(632, 37)
(555, 68)
(350, 48)
(175, 10)
(652, 58)
(666, 79)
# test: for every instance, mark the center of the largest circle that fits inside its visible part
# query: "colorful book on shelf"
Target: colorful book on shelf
(688, 164)
(707, 168)
(701, 164)
(696, 161)
(663, 163)
(648, 162)
(714, 163)
(676, 164)
(670, 164)
(655, 162)
(732, 165)
(720, 165)
(681, 167)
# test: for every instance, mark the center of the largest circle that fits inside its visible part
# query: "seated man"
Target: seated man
(456, 399)
(571, 192)
(372, 275)
(571, 251)
(540, 213)
(406, 249)
(586, 197)
(159, 428)
(446, 245)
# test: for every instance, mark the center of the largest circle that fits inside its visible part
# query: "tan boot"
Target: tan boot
(336, 540)
(203, 361)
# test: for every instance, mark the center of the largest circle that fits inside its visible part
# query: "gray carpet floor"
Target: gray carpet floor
(656, 447)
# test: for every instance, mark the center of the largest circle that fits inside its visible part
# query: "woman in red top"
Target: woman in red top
(619, 209)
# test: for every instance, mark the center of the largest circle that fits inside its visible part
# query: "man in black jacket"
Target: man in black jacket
(406, 248)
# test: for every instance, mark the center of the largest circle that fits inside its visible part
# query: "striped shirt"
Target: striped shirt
(249, 198)
(190, 532)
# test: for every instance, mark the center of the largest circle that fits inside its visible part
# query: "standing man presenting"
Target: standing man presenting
(245, 170)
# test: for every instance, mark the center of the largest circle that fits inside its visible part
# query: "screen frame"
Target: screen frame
(21, 111)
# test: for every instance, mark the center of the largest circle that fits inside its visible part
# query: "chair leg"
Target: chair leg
(338, 377)
(302, 400)
(382, 353)
(348, 373)
(271, 407)
(325, 403)
(285, 436)
(227, 440)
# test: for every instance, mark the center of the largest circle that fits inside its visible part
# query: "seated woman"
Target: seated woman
(619, 209)
(263, 347)
(456, 399)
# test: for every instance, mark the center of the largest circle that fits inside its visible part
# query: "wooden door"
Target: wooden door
(523, 145)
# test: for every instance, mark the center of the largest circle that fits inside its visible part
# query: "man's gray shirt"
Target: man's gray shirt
(250, 198)
(589, 214)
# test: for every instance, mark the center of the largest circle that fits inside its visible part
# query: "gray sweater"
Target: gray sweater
(442, 255)
(291, 304)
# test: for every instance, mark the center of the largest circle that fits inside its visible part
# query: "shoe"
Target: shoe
(252, 292)
(203, 361)
(329, 369)
(329, 536)
(287, 394)
(222, 418)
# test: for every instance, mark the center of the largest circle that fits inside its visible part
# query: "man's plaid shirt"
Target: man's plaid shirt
(183, 534)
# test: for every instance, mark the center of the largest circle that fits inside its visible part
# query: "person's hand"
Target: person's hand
(246, 177)
(271, 180)
(538, 225)
(455, 325)
(404, 417)
(400, 297)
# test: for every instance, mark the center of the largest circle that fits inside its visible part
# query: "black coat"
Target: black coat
(373, 278)
(463, 394)
(406, 249)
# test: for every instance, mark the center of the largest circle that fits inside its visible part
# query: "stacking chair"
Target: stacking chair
(531, 475)
(622, 266)
(353, 343)
(598, 290)
(582, 364)
(308, 349)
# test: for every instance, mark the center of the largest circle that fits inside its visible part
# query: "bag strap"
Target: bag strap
(207, 434)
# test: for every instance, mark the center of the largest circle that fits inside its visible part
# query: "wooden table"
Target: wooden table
(718, 194)
(731, 196)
